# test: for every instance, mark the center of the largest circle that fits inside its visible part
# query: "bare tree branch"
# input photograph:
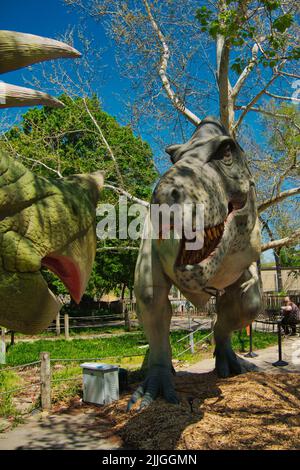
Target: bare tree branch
(117, 248)
(281, 177)
(273, 114)
(105, 142)
(127, 194)
(37, 162)
(292, 239)
(278, 198)
(175, 100)
(245, 73)
(254, 100)
(278, 97)
(293, 75)
(264, 111)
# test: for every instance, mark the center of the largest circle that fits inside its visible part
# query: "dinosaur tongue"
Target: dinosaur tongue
(68, 272)
(73, 263)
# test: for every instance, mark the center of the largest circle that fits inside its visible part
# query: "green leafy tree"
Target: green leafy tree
(290, 257)
(80, 138)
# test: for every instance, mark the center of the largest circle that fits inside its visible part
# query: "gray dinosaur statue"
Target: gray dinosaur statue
(210, 169)
(43, 222)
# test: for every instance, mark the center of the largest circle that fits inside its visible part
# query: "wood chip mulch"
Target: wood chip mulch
(250, 411)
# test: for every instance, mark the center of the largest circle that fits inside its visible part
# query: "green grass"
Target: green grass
(81, 331)
(9, 380)
(126, 344)
(118, 346)
(115, 349)
(261, 340)
(69, 382)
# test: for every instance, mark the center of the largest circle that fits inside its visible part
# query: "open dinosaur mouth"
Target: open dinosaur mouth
(67, 271)
(212, 238)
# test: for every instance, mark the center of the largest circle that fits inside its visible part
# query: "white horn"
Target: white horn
(21, 49)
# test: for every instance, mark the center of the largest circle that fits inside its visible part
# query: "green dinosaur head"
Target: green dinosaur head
(43, 222)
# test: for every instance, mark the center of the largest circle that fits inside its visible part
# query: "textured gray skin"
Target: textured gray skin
(210, 169)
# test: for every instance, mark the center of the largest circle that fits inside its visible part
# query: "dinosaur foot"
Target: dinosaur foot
(159, 381)
(227, 362)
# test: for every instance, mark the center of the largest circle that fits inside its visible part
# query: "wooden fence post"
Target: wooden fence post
(2, 347)
(212, 324)
(126, 313)
(67, 332)
(45, 381)
(58, 324)
(192, 345)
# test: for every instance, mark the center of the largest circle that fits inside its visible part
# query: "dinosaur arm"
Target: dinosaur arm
(245, 286)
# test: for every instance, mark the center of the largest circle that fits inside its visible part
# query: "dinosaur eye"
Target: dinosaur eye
(227, 155)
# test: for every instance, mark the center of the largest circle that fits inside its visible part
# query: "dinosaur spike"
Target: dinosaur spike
(12, 95)
(18, 50)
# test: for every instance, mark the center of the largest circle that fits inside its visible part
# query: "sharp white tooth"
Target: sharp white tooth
(208, 231)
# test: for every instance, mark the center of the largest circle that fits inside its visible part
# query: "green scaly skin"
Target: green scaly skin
(38, 218)
(43, 222)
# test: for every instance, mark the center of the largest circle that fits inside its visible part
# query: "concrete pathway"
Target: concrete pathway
(264, 360)
(82, 430)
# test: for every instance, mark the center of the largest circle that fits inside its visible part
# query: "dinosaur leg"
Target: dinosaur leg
(236, 309)
(154, 312)
(156, 315)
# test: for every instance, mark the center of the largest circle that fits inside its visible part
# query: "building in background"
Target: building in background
(290, 279)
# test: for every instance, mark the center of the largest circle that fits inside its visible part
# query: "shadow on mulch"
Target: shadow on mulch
(250, 411)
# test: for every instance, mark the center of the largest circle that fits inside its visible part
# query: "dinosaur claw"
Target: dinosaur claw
(146, 401)
(172, 398)
(226, 361)
(159, 381)
(135, 397)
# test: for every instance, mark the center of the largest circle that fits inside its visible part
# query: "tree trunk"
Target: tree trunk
(123, 291)
(125, 310)
(258, 264)
(127, 319)
(278, 269)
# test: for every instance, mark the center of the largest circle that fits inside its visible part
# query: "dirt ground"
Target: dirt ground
(256, 410)
(251, 411)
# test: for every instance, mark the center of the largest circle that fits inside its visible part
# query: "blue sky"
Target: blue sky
(51, 18)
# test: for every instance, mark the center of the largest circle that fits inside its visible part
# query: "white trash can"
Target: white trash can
(100, 383)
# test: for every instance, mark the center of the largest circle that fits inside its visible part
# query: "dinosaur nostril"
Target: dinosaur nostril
(175, 194)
